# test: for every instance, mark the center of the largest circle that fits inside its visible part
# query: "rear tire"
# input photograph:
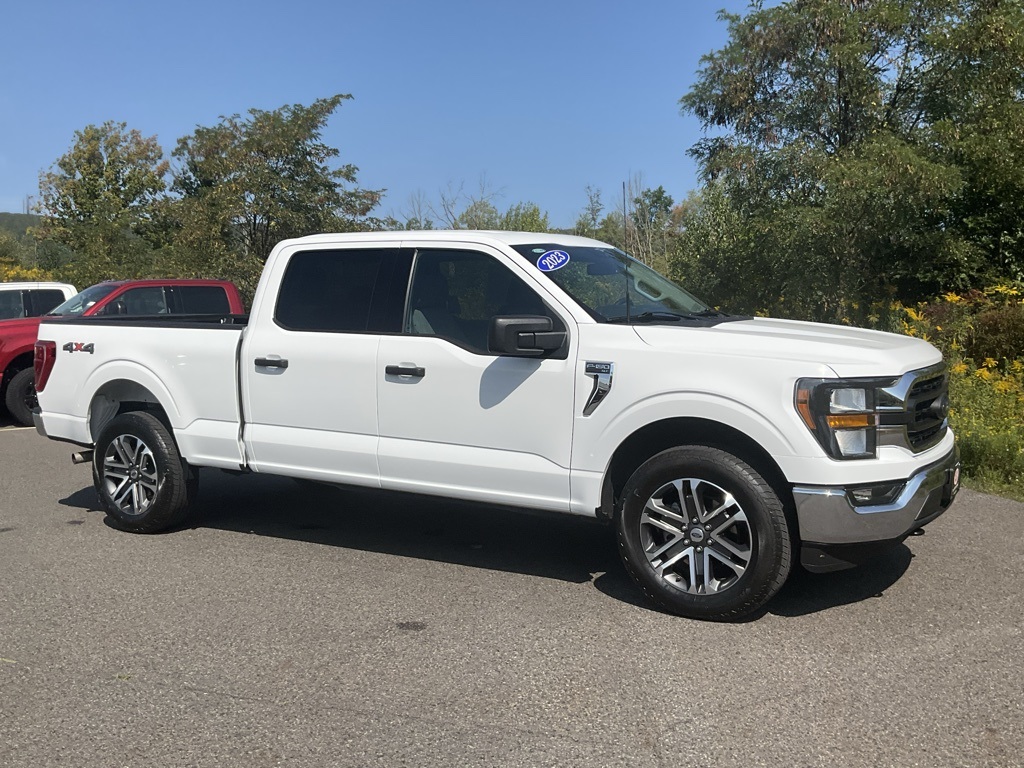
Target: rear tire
(142, 481)
(21, 396)
(703, 534)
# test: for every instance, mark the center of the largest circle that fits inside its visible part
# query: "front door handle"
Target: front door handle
(405, 370)
(271, 362)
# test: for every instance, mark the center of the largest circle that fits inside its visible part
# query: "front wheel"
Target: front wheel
(21, 396)
(140, 477)
(703, 534)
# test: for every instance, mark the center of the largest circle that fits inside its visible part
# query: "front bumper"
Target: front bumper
(829, 520)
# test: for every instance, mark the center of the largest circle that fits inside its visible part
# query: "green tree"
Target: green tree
(246, 183)
(843, 149)
(589, 220)
(525, 217)
(98, 201)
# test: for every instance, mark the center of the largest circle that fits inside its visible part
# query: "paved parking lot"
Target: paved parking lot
(289, 627)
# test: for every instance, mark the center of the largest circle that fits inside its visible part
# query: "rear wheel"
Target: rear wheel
(703, 534)
(141, 479)
(21, 396)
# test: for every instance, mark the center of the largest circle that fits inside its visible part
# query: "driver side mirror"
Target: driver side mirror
(523, 336)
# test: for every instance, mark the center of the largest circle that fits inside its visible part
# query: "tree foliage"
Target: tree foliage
(246, 183)
(98, 201)
(863, 148)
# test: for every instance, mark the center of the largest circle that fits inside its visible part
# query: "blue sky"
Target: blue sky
(539, 99)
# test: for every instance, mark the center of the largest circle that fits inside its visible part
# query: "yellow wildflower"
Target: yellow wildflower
(983, 373)
(991, 362)
(1002, 386)
(913, 314)
(960, 368)
(953, 298)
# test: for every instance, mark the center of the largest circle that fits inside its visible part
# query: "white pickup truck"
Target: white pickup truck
(533, 370)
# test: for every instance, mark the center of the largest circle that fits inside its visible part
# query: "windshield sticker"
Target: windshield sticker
(552, 260)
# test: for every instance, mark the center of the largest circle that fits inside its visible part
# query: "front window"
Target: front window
(80, 302)
(613, 287)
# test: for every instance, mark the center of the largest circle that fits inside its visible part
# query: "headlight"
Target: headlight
(841, 414)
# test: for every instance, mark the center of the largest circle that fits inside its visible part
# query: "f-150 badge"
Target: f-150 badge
(602, 373)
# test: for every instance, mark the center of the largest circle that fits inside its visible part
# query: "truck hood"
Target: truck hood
(848, 351)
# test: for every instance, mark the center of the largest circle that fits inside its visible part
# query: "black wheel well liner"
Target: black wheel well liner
(128, 396)
(652, 439)
(18, 363)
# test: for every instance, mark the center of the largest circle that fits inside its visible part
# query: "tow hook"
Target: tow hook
(82, 457)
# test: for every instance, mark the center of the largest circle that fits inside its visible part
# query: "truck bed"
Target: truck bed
(187, 363)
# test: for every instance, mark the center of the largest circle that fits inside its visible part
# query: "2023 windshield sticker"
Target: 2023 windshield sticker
(552, 260)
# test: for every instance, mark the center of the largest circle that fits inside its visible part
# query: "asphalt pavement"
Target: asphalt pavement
(295, 626)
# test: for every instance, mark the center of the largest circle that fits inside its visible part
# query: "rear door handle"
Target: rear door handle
(271, 362)
(405, 370)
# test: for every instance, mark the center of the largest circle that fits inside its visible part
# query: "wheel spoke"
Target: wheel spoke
(659, 507)
(121, 491)
(721, 538)
(737, 568)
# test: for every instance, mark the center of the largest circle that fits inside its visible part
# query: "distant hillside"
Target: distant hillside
(18, 223)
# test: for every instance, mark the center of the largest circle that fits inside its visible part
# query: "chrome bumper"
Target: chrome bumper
(37, 420)
(827, 515)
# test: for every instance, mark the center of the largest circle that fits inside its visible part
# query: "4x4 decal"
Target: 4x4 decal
(78, 346)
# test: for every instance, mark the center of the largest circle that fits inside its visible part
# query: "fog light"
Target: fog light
(871, 495)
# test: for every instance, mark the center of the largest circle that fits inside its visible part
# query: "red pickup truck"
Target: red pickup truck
(123, 297)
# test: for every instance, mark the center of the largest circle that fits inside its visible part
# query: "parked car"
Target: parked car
(544, 371)
(31, 299)
(124, 297)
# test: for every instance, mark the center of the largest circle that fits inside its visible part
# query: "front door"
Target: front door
(456, 419)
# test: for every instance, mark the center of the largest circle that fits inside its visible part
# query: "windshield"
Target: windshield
(80, 302)
(611, 286)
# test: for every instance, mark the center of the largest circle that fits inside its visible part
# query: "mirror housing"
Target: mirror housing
(523, 336)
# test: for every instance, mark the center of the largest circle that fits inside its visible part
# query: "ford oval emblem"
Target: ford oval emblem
(552, 260)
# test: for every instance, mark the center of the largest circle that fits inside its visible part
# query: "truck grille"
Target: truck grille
(929, 405)
(918, 414)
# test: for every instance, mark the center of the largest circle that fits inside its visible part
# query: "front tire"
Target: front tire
(21, 396)
(703, 534)
(141, 479)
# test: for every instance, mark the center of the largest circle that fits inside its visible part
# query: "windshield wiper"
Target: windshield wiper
(653, 317)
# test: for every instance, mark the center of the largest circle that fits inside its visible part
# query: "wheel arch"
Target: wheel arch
(651, 439)
(119, 396)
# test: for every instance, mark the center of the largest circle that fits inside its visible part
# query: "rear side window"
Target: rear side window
(202, 299)
(337, 291)
(45, 299)
(11, 305)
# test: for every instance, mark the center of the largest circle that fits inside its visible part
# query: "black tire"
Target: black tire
(21, 396)
(142, 481)
(723, 557)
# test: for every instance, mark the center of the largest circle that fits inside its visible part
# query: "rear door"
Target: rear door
(309, 361)
(457, 419)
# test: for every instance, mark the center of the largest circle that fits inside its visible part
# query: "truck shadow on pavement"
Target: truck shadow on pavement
(561, 547)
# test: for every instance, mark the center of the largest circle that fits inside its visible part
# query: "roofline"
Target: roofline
(491, 237)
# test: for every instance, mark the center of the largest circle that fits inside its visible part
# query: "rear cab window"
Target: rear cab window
(344, 290)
